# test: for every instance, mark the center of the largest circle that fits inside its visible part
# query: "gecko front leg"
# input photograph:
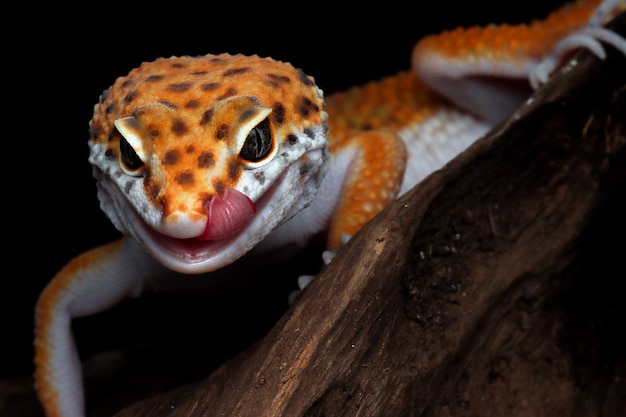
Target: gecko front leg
(92, 282)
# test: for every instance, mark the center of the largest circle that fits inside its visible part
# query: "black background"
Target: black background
(58, 63)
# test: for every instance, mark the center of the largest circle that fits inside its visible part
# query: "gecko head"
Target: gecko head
(200, 158)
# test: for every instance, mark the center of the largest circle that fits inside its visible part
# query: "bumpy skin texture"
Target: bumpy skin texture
(194, 143)
(202, 160)
(514, 45)
(190, 110)
(187, 118)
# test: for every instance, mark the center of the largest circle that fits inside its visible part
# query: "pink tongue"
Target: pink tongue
(227, 215)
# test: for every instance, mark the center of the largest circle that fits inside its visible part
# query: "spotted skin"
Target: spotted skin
(187, 115)
(516, 46)
(200, 161)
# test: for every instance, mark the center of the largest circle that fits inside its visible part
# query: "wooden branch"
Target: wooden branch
(492, 288)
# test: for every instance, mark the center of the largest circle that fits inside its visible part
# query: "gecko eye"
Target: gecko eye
(259, 143)
(129, 157)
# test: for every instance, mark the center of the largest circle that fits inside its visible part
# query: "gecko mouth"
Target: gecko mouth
(198, 249)
(293, 190)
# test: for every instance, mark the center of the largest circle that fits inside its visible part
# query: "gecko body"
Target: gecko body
(203, 161)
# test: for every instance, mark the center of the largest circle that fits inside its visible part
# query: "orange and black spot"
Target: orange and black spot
(179, 87)
(277, 80)
(209, 86)
(171, 157)
(130, 97)
(219, 187)
(206, 160)
(153, 189)
(231, 91)
(306, 106)
(222, 131)
(192, 104)
(179, 128)
(292, 139)
(304, 79)
(185, 178)
(154, 132)
(206, 117)
(278, 113)
(233, 170)
(127, 83)
(110, 108)
(154, 78)
(235, 71)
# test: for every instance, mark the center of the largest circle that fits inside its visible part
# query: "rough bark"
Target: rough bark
(492, 288)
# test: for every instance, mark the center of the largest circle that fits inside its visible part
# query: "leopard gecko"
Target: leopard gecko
(202, 161)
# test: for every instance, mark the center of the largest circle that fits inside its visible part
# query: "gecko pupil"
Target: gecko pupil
(258, 143)
(129, 157)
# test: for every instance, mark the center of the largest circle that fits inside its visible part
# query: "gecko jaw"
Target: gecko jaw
(188, 254)
(199, 255)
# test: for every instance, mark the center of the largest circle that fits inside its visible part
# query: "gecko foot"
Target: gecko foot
(327, 257)
(590, 38)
